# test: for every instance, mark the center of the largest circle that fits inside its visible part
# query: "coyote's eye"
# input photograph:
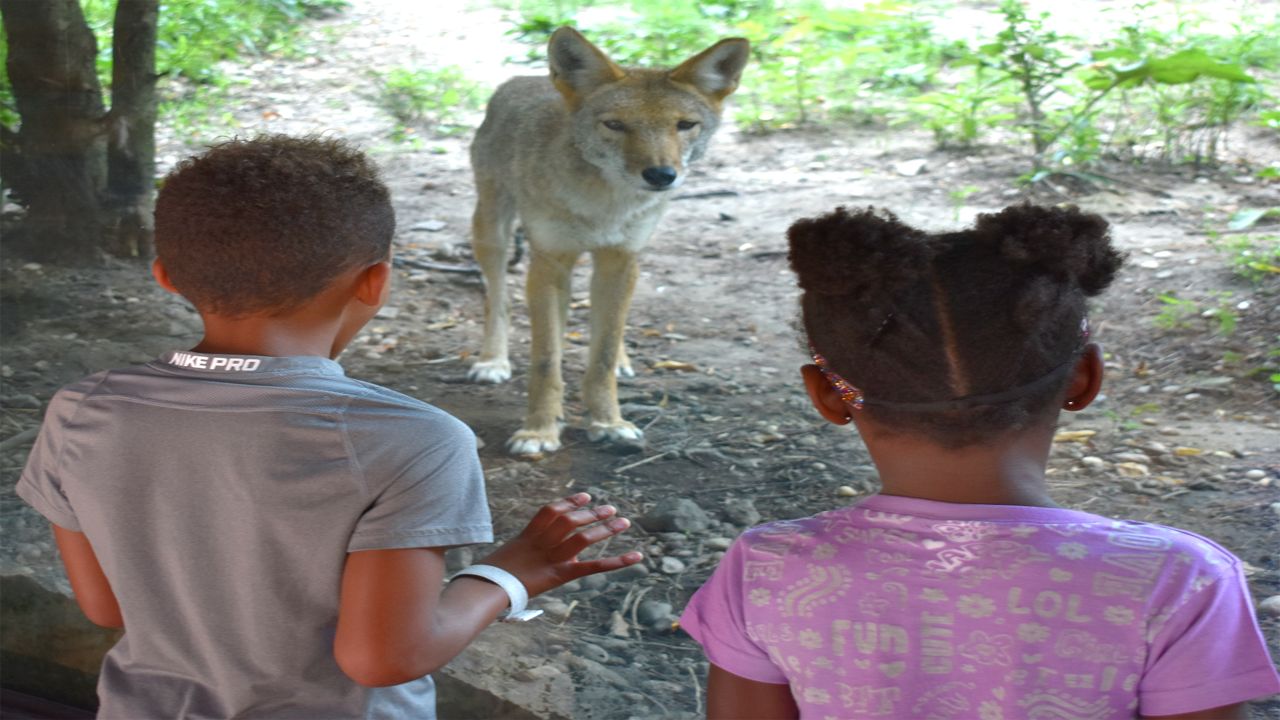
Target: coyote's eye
(686, 124)
(615, 125)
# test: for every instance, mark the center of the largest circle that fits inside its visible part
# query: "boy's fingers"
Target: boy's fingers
(566, 523)
(578, 542)
(548, 513)
(599, 565)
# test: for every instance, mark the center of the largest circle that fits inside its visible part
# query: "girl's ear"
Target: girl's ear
(162, 276)
(373, 284)
(825, 398)
(1086, 379)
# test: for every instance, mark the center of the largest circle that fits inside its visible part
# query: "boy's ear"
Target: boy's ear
(162, 276)
(825, 398)
(1086, 379)
(373, 283)
(715, 71)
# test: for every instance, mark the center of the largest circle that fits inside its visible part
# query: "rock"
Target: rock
(618, 626)
(846, 491)
(1255, 474)
(591, 667)
(1275, 507)
(718, 543)
(672, 566)
(1133, 469)
(1093, 464)
(458, 558)
(1270, 606)
(911, 168)
(554, 607)
(654, 612)
(429, 226)
(25, 402)
(675, 515)
(595, 582)
(630, 573)
(1128, 457)
(741, 511)
(387, 312)
(594, 652)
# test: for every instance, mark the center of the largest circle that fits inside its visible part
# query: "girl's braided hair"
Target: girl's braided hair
(910, 317)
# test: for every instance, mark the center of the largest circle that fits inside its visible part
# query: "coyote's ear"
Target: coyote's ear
(715, 71)
(577, 66)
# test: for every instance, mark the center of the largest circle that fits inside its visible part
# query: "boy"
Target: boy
(270, 533)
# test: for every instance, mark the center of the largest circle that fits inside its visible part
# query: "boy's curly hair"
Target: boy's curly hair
(910, 317)
(261, 226)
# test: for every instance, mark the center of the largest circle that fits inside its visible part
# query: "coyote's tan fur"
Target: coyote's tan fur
(583, 158)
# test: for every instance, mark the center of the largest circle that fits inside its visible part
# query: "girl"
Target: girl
(962, 590)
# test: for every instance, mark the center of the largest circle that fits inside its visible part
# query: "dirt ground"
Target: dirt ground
(1184, 436)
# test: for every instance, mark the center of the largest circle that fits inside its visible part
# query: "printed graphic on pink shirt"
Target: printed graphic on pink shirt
(873, 611)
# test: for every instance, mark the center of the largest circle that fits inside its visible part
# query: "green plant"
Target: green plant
(1179, 313)
(957, 198)
(438, 97)
(1255, 259)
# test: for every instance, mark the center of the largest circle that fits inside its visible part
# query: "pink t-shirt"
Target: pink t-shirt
(906, 608)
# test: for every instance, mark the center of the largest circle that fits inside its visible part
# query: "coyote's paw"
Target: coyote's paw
(617, 433)
(534, 443)
(489, 372)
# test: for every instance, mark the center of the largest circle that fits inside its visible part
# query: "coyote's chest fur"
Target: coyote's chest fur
(585, 160)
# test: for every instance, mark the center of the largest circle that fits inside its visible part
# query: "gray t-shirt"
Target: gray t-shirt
(221, 495)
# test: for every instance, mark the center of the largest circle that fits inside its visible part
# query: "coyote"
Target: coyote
(584, 158)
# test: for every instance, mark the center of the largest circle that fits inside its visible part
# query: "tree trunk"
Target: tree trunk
(51, 69)
(131, 140)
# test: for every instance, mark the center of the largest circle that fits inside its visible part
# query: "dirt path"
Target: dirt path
(1185, 436)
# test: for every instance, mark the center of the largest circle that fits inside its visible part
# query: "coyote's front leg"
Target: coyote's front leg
(547, 293)
(613, 280)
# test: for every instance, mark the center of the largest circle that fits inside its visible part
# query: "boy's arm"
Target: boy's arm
(396, 625)
(732, 697)
(88, 582)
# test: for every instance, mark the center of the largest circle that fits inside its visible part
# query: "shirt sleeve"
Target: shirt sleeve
(41, 484)
(427, 482)
(1209, 653)
(716, 618)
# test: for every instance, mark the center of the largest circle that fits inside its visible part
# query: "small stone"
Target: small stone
(595, 652)
(1130, 457)
(429, 226)
(741, 511)
(387, 312)
(1275, 508)
(672, 566)
(26, 402)
(653, 612)
(594, 582)
(554, 607)
(675, 515)
(1132, 469)
(618, 626)
(1167, 430)
(911, 168)
(846, 491)
(1093, 464)
(1255, 474)
(722, 543)
(1150, 421)
(630, 573)
(1270, 606)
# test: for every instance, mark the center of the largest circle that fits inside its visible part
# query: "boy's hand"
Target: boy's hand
(545, 554)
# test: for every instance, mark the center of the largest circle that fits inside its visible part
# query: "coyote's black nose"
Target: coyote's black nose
(660, 176)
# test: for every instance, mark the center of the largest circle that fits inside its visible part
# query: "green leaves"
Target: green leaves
(1181, 67)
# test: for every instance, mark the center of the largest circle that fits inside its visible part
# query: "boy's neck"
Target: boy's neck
(1007, 472)
(318, 329)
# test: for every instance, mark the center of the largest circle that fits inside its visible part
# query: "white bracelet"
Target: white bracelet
(516, 591)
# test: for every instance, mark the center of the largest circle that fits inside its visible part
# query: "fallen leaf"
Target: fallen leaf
(675, 365)
(1074, 436)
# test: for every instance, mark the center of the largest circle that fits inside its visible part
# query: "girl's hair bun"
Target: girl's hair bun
(859, 253)
(1058, 241)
